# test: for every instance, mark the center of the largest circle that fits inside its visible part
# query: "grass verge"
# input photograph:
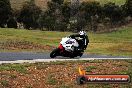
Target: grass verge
(58, 75)
(117, 43)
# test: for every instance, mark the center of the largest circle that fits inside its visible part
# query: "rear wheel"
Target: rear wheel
(54, 53)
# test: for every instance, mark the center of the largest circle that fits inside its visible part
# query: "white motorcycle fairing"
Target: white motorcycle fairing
(69, 43)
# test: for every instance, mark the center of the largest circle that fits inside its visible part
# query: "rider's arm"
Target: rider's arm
(86, 42)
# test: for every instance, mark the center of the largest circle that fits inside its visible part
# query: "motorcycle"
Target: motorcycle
(67, 48)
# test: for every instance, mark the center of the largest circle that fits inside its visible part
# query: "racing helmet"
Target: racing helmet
(82, 33)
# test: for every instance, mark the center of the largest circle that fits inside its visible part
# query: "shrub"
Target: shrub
(12, 23)
(5, 11)
(114, 12)
(29, 15)
(128, 7)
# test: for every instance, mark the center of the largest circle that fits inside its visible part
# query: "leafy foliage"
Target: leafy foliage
(11, 23)
(62, 15)
(55, 17)
(5, 11)
(112, 11)
(29, 15)
(128, 7)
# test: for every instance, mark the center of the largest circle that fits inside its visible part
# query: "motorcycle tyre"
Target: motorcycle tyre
(54, 53)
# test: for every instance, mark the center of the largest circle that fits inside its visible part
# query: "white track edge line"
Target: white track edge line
(53, 60)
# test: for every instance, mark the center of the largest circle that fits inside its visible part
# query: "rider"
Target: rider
(84, 40)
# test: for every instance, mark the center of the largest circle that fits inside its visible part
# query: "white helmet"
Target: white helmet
(82, 33)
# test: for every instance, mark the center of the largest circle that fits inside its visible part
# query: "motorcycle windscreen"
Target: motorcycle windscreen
(63, 41)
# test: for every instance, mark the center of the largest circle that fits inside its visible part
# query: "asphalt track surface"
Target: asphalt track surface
(15, 56)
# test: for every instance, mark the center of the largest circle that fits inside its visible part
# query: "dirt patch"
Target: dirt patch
(18, 3)
(61, 74)
(23, 45)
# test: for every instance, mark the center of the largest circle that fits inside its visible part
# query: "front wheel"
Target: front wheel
(54, 53)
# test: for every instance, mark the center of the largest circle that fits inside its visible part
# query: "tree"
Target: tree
(128, 7)
(65, 9)
(89, 11)
(11, 23)
(56, 17)
(29, 15)
(114, 12)
(91, 8)
(47, 21)
(58, 1)
(5, 11)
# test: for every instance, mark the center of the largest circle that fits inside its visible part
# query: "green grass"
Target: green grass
(41, 37)
(118, 2)
(13, 76)
(120, 36)
(117, 43)
(4, 83)
(64, 86)
(90, 68)
(50, 80)
(14, 67)
(29, 86)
